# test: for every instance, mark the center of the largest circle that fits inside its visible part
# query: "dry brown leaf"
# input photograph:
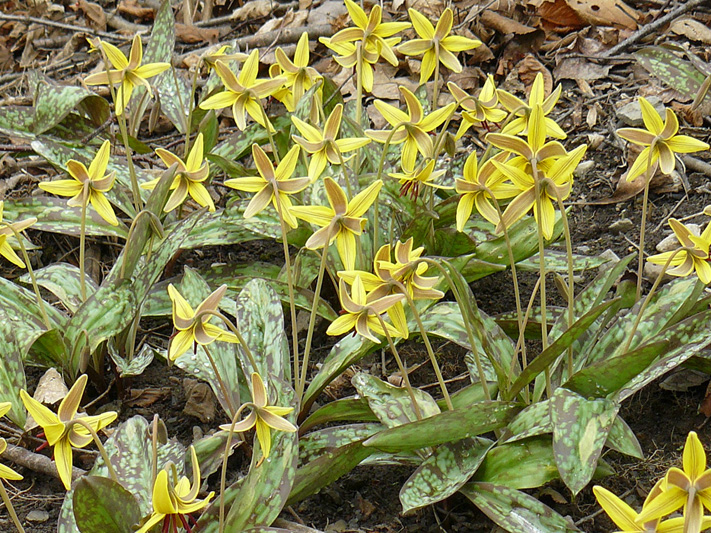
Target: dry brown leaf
(188, 33)
(147, 397)
(529, 68)
(200, 401)
(505, 25)
(591, 118)
(133, 8)
(432, 9)
(253, 9)
(692, 29)
(558, 14)
(577, 68)
(94, 14)
(605, 13)
(50, 390)
(705, 407)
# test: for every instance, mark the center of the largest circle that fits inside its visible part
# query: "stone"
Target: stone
(630, 114)
(671, 243)
(621, 226)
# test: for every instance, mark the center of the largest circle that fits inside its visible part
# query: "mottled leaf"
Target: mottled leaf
(677, 73)
(174, 93)
(622, 439)
(523, 464)
(533, 421)
(63, 280)
(103, 506)
(136, 365)
(16, 121)
(324, 440)
(12, 371)
(343, 410)
(210, 451)
(54, 102)
(557, 261)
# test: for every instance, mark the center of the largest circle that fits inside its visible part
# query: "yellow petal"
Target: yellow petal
(115, 56)
(694, 456)
(421, 24)
(151, 69)
(103, 207)
(619, 512)
(63, 460)
(97, 168)
(652, 120)
(264, 436)
(42, 414)
(362, 201)
(62, 187)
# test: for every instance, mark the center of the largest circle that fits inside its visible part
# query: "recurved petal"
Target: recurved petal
(429, 63)
(667, 161)
(347, 249)
(8, 253)
(449, 60)
(422, 25)
(510, 144)
(162, 500)
(97, 168)
(8, 473)
(70, 403)
(264, 436)
(259, 201)
(180, 343)
(392, 114)
(437, 117)
(458, 43)
(415, 47)
(183, 313)
(248, 184)
(42, 414)
(362, 201)
(275, 421)
(343, 324)
(195, 157)
(642, 163)
(349, 144)
(652, 120)
(671, 499)
(547, 216)
(683, 144)
(201, 195)
(243, 425)
(311, 133)
(220, 100)
(286, 167)
(464, 210)
(151, 69)
(63, 462)
(619, 512)
(357, 14)
(518, 207)
(102, 78)
(103, 207)
(115, 56)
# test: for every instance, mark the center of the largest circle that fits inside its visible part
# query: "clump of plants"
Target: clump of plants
(399, 221)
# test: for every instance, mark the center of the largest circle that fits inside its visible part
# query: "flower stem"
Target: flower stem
(642, 229)
(571, 282)
(223, 473)
(268, 126)
(82, 246)
(99, 445)
(10, 509)
(235, 331)
(301, 383)
(435, 89)
(223, 387)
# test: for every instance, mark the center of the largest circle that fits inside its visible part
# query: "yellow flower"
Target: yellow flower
(61, 430)
(173, 498)
(436, 44)
(188, 177)
(264, 416)
(6, 231)
(127, 73)
(220, 54)
(362, 312)
(244, 92)
(272, 185)
(523, 110)
(340, 222)
(410, 181)
(694, 254)
(371, 31)
(300, 77)
(87, 185)
(413, 127)
(479, 186)
(194, 326)
(348, 57)
(322, 145)
(660, 140)
(5, 471)
(689, 488)
(477, 109)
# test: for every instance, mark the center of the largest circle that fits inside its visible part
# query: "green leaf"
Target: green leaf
(210, 451)
(515, 511)
(524, 464)
(63, 280)
(677, 73)
(622, 439)
(317, 443)
(22, 306)
(174, 93)
(16, 121)
(580, 429)
(534, 420)
(12, 371)
(54, 102)
(448, 426)
(237, 145)
(443, 473)
(343, 410)
(557, 261)
(103, 506)
(136, 365)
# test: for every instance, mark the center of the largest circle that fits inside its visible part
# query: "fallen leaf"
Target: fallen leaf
(50, 390)
(529, 68)
(253, 10)
(133, 8)
(147, 397)
(692, 29)
(188, 33)
(200, 401)
(558, 14)
(605, 13)
(578, 68)
(94, 14)
(505, 25)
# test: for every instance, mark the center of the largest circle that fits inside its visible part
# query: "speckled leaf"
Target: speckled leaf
(533, 421)
(557, 261)
(54, 102)
(443, 473)
(63, 280)
(622, 439)
(16, 121)
(103, 506)
(515, 511)
(342, 410)
(580, 429)
(677, 73)
(12, 371)
(173, 90)
(239, 144)
(134, 367)
(55, 216)
(523, 464)
(448, 426)
(324, 440)
(392, 405)
(22, 309)
(210, 451)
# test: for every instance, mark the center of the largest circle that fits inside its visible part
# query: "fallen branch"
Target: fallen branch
(62, 25)
(36, 462)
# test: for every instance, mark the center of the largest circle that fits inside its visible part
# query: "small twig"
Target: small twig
(117, 22)
(36, 462)
(695, 164)
(669, 215)
(61, 25)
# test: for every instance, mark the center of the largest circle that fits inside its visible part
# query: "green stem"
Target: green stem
(571, 283)
(643, 227)
(233, 328)
(301, 384)
(435, 89)
(186, 147)
(154, 449)
(191, 108)
(10, 509)
(82, 246)
(99, 445)
(268, 126)
(344, 171)
(521, 341)
(158, 227)
(223, 387)
(223, 473)
(135, 189)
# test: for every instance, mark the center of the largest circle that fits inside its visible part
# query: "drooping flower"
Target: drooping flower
(87, 185)
(323, 145)
(5, 471)
(174, 497)
(214, 55)
(6, 232)
(437, 45)
(413, 127)
(660, 140)
(300, 77)
(272, 185)
(477, 109)
(340, 222)
(410, 182)
(126, 73)
(523, 110)
(693, 256)
(188, 177)
(264, 416)
(348, 58)
(193, 326)
(62, 431)
(244, 92)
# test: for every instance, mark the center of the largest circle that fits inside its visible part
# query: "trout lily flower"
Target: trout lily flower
(220, 54)
(436, 44)
(193, 326)
(174, 498)
(340, 222)
(410, 181)
(689, 488)
(477, 109)
(5, 471)
(660, 140)
(362, 312)
(693, 256)
(264, 416)
(272, 185)
(523, 110)
(322, 145)
(244, 92)
(61, 429)
(348, 58)
(126, 73)
(411, 128)
(300, 77)
(188, 177)
(6, 232)
(87, 185)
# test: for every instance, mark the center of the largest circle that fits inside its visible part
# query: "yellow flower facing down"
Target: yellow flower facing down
(436, 43)
(5, 471)
(264, 416)
(477, 109)
(522, 110)
(126, 73)
(244, 92)
(340, 222)
(413, 127)
(175, 497)
(480, 185)
(348, 57)
(689, 488)
(362, 312)
(214, 55)
(323, 145)
(188, 177)
(410, 182)
(87, 185)
(193, 326)
(694, 255)
(272, 185)
(6, 232)
(660, 140)
(300, 77)
(61, 431)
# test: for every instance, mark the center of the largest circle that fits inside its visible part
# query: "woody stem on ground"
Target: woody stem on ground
(223, 387)
(571, 282)
(223, 473)
(10, 509)
(401, 366)
(99, 445)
